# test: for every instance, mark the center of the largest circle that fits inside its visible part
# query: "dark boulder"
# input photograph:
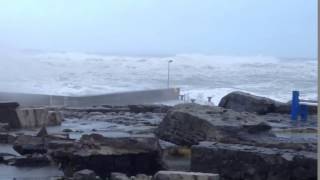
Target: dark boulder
(245, 102)
(241, 101)
(239, 162)
(188, 124)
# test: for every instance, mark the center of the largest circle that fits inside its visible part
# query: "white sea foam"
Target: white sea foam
(199, 76)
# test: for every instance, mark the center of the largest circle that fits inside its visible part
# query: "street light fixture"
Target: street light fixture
(168, 83)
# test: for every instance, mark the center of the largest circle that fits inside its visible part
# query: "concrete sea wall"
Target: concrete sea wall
(122, 98)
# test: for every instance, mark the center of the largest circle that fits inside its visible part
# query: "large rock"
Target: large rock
(105, 155)
(241, 101)
(237, 162)
(8, 114)
(179, 175)
(188, 124)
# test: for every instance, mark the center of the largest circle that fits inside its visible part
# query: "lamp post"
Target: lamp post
(168, 83)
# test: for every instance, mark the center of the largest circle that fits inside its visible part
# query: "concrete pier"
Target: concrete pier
(122, 98)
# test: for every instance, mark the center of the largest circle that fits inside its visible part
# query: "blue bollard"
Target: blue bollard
(304, 112)
(295, 105)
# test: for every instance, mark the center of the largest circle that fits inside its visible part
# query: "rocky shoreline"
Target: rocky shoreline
(245, 137)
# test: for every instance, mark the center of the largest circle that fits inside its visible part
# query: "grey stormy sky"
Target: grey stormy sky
(285, 28)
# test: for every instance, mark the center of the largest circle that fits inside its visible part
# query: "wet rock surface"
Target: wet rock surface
(125, 135)
(188, 124)
(115, 123)
(116, 109)
(234, 161)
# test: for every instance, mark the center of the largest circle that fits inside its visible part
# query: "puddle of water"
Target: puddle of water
(80, 127)
(28, 173)
(25, 173)
(7, 148)
(293, 135)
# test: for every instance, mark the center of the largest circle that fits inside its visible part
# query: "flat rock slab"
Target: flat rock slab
(188, 124)
(27, 144)
(234, 162)
(104, 155)
(179, 175)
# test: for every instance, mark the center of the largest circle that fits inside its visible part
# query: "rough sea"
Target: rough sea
(198, 76)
